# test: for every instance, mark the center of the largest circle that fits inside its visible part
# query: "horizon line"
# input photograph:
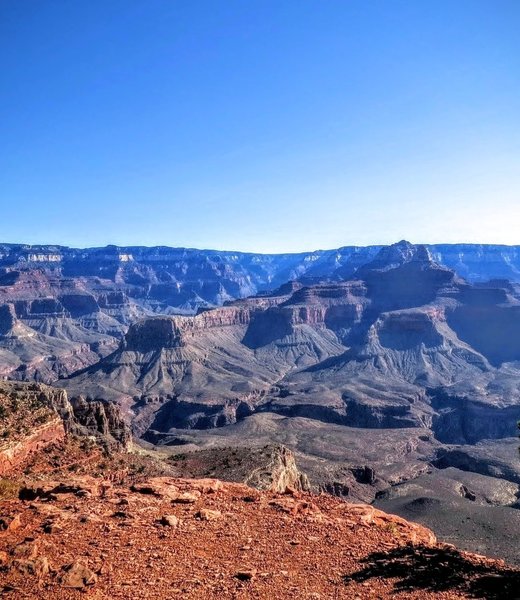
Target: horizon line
(23, 245)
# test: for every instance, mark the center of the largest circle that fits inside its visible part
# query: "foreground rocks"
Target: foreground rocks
(227, 541)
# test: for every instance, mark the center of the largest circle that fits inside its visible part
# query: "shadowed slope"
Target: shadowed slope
(440, 570)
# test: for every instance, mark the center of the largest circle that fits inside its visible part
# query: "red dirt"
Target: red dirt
(253, 545)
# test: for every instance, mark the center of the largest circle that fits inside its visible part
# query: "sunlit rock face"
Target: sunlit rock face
(397, 346)
(34, 416)
(65, 309)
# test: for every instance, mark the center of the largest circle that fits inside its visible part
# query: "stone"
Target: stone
(186, 497)
(206, 486)
(10, 523)
(78, 575)
(245, 574)
(169, 521)
(27, 549)
(38, 567)
(206, 514)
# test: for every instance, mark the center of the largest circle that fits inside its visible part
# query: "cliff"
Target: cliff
(270, 467)
(67, 308)
(33, 416)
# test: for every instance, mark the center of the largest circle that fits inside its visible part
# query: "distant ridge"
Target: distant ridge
(236, 274)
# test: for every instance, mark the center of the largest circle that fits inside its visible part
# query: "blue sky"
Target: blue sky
(261, 125)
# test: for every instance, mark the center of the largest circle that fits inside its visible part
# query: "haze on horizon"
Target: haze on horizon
(259, 126)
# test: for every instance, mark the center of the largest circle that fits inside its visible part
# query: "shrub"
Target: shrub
(9, 489)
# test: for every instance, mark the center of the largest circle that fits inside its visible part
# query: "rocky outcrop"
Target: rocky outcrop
(279, 474)
(14, 452)
(271, 467)
(32, 416)
(100, 418)
(282, 474)
(7, 319)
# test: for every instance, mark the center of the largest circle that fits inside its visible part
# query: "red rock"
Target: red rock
(38, 567)
(205, 514)
(169, 521)
(186, 497)
(206, 486)
(10, 523)
(78, 575)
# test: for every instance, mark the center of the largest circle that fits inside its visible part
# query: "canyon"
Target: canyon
(391, 373)
(62, 309)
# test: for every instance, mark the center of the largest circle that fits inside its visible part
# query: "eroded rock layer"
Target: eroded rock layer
(61, 309)
(34, 416)
(387, 349)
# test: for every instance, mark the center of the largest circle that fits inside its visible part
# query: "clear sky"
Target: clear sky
(262, 125)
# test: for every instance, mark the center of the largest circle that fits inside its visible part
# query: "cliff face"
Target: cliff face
(33, 416)
(271, 467)
(101, 419)
(14, 452)
(88, 279)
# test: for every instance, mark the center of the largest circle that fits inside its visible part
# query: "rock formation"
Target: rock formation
(81, 302)
(393, 347)
(271, 467)
(33, 416)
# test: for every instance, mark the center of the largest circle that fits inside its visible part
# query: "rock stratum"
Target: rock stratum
(34, 416)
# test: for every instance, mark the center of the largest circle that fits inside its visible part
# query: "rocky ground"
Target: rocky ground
(164, 537)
